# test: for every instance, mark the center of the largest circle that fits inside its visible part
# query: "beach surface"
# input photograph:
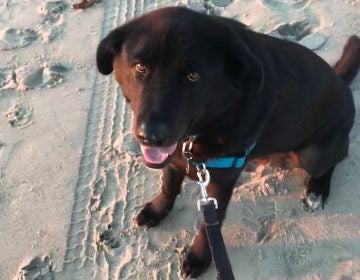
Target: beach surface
(72, 179)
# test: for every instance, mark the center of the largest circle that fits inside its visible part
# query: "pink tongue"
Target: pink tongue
(157, 155)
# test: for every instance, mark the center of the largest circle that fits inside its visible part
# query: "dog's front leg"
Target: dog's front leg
(198, 259)
(156, 210)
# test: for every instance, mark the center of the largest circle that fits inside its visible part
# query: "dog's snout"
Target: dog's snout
(155, 134)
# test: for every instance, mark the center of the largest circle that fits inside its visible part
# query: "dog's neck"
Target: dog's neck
(230, 134)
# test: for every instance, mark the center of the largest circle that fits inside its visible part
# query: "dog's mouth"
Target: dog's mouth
(157, 157)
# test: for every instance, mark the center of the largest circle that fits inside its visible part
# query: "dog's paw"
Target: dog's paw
(154, 212)
(148, 217)
(192, 265)
(312, 202)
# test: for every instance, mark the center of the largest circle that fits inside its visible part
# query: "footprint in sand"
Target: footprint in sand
(293, 31)
(19, 116)
(287, 5)
(108, 239)
(211, 7)
(222, 3)
(300, 254)
(38, 268)
(53, 20)
(301, 31)
(12, 38)
(50, 27)
(29, 77)
(259, 218)
(7, 78)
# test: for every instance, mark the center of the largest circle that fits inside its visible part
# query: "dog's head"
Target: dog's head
(180, 70)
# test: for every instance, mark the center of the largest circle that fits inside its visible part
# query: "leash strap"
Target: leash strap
(216, 243)
(208, 205)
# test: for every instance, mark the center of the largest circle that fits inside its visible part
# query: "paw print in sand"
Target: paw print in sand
(38, 268)
(19, 116)
(30, 77)
(51, 25)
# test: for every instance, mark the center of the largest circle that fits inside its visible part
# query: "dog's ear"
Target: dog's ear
(243, 67)
(108, 48)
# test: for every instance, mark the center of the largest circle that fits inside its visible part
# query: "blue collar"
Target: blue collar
(227, 162)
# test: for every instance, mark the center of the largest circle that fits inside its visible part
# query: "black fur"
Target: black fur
(253, 88)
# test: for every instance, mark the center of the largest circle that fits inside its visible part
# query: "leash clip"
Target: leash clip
(202, 174)
(204, 180)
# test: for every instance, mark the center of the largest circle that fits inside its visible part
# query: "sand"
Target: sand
(72, 181)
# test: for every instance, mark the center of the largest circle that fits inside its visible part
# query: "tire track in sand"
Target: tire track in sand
(102, 240)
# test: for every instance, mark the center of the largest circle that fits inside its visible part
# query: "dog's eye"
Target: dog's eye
(141, 68)
(193, 76)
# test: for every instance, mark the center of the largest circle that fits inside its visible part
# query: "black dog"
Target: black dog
(188, 74)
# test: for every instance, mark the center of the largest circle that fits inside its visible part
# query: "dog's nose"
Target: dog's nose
(153, 134)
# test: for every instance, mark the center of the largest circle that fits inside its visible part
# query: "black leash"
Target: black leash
(216, 243)
(208, 205)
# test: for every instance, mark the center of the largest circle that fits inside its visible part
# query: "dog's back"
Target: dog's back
(349, 63)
